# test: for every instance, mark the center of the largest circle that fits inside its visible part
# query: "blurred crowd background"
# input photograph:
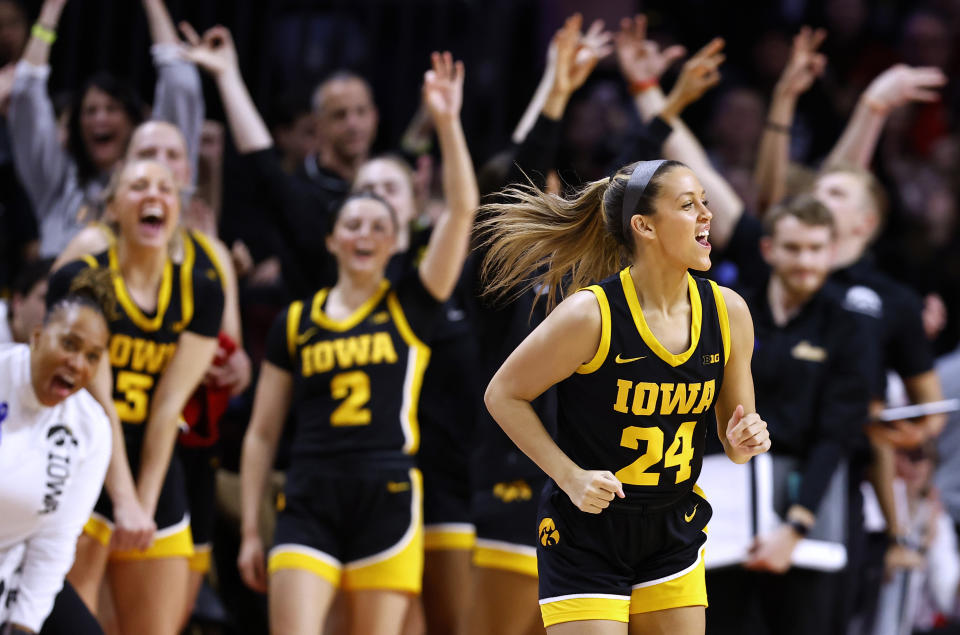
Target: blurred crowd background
(286, 47)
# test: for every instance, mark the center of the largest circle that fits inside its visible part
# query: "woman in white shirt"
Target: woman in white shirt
(54, 448)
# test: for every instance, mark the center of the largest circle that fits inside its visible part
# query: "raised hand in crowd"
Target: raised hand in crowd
(576, 57)
(682, 145)
(901, 84)
(803, 67)
(214, 52)
(641, 60)
(700, 73)
(897, 86)
(443, 88)
(581, 54)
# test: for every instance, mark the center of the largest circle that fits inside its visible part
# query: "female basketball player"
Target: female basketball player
(451, 392)
(349, 362)
(639, 361)
(54, 450)
(164, 142)
(162, 343)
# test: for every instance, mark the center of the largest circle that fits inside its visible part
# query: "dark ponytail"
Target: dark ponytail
(92, 288)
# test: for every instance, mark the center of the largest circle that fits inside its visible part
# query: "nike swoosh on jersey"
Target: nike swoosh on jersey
(689, 517)
(306, 335)
(627, 360)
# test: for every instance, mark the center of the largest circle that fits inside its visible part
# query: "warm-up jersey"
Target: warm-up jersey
(638, 410)
(142, 344)
(356, 381)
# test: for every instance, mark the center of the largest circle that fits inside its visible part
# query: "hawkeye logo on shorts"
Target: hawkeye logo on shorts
(549, 536)
(517, 490)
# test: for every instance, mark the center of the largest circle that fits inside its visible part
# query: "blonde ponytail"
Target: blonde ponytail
(557, 245)
(534, 239)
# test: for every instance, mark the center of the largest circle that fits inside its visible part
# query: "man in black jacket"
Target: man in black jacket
(812, 367)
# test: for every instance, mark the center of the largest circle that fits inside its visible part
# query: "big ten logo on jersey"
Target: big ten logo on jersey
(549, 536)
(646, 398)
(136, 361)
(347, 352)
(518, 490)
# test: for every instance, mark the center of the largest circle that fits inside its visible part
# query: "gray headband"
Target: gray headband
(638, 183)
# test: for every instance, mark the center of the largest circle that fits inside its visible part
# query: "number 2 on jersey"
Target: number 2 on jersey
(354, 388)
(679, 454)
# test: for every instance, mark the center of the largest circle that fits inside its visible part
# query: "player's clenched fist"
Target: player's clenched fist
(747, 433)
(592, 490)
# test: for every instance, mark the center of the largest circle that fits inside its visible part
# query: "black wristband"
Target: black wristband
(801, 529)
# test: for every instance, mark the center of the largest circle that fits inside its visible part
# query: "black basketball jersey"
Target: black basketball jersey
(199, 253)
(638, 410)
(357, 381)
(142, 344)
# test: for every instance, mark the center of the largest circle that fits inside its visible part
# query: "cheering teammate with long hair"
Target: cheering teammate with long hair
(640, 361)
(349, 363)
(160, 345)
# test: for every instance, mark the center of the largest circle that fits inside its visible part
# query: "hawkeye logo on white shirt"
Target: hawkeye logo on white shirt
(62, 445)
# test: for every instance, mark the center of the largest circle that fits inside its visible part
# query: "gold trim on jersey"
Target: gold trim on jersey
(323, 320)
(204, 241)
(604, 348)
(130, 307)
(417, 360)
(724, 320)
(293, 327)
(696, 319)
(90, 260)
(186, 286)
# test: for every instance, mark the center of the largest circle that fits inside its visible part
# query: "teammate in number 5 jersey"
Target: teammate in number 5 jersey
(641, 362)
(348, 364)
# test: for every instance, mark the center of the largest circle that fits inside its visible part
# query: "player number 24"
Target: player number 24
(679, 454)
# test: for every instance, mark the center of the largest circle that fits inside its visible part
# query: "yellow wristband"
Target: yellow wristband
(43, 34)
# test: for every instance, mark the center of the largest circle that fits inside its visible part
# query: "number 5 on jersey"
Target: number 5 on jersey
(679, 454)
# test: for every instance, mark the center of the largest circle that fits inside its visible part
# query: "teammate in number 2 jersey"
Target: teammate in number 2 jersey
(641, 361)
